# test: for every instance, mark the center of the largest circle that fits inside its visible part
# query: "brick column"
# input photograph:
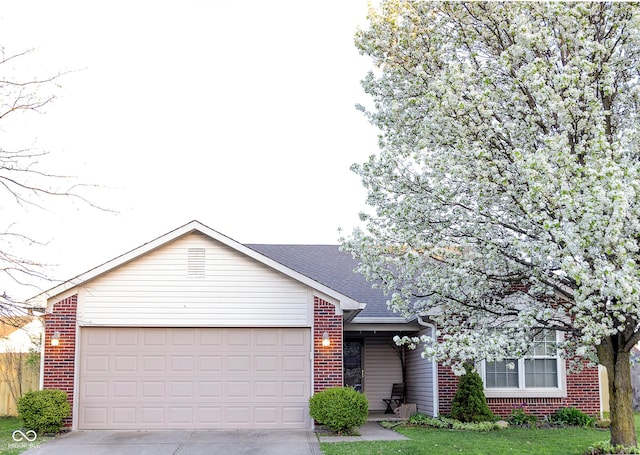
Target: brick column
(327, 360)
(59, 361)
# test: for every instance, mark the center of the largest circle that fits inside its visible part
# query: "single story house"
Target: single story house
(195, 330)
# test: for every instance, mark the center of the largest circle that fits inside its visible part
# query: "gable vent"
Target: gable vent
(195, 262)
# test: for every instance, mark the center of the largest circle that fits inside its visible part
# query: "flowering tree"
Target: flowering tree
(506, 190)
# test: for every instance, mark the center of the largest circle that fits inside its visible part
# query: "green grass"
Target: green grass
(521, 441)
(10, 447)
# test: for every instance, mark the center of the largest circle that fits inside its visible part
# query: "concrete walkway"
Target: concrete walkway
(238, 442)
(370, 431)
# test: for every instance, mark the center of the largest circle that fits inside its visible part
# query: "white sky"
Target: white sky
(239, 114)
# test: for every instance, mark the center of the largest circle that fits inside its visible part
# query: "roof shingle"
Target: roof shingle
(333, 268)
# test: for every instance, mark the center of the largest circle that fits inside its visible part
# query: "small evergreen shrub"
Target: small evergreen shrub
(469, 403)
(340, 409)
(572, 416)
(43, 410)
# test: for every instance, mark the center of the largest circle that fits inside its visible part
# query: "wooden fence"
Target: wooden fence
(635, 383)
(30, 381)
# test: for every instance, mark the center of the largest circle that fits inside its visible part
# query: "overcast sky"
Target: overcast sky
(239, 114)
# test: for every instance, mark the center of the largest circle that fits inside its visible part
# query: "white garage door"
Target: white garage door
(195, 378)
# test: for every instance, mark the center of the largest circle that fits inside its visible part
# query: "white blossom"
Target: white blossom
(507, 186)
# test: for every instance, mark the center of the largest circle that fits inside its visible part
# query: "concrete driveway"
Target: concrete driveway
(236, 442)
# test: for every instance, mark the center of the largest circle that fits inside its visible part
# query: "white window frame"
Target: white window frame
(532, 392)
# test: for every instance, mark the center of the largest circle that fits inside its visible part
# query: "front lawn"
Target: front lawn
(9, 446)
(521, 441)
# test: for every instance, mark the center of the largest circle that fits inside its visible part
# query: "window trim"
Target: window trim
(531, 392)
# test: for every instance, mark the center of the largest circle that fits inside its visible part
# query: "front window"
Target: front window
(540, 373)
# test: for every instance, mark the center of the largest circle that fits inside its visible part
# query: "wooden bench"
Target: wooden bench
(396, 398)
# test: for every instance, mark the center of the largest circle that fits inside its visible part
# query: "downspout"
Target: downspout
(434, 367)
(43, 346)
(600, 368)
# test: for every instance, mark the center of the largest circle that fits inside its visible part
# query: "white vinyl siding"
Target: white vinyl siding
(194, 280)
(420, 383)
(382, 369)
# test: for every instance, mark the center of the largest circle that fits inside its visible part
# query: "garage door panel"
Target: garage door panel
(180, 390)
(125, 364)
(295, 390)
(295, 340)
(153, 363)
(127, 338)
(210, 389)
(97, 363)
(152, 415)
(210, 363)
(238, 364)
(183, 338)
(95, 389)
(266, 363)
(152, 389)
(180, 415)
(97, 338)
(124, 389)
(210, 338)
(147, 378)
(182, 363)
(265, 415)
(294, 364)
(239, 416)
(156, 337)
(123, 416)
(208, 416)
(293, 414)
(95, 416)
(237, 339)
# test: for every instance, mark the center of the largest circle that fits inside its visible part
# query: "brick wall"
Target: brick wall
(582, 392)
(327, 360)
(59, 361)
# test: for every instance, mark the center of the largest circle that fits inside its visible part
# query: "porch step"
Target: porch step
(380, 416)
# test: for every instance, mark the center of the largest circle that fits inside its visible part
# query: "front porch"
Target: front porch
(373, 363)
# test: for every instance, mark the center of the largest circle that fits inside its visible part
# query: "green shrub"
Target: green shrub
(340, 409)
(519, 417)
(450, 424)
(572, 416)
(469, 403)
(43, 410)
(605, 447)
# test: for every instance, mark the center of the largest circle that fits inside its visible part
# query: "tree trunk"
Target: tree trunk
(623, 431)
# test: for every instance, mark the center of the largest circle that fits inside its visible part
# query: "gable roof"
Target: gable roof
(335, 269)
(346, 301)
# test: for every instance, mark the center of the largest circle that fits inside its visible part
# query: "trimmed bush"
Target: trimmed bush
(572, 416)
(340, 409)
(469, 403)
(519, 417)
(43, 410)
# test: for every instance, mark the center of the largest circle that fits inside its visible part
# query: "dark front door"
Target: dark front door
(353, 363)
